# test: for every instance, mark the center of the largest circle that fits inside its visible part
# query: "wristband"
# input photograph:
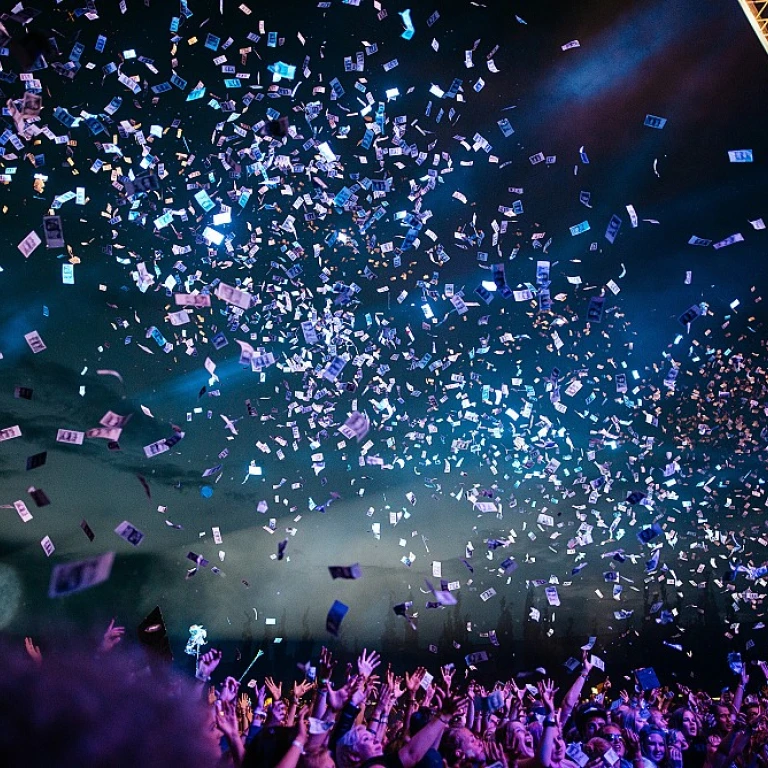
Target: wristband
(202, 678)
(584, 675)
(297, 744)
(550, 724)
(445, 722)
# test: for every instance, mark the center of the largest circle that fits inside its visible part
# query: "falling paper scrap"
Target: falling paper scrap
(652, 121)
(53, 232)
(335, 616)
(345, 571)
(68, 578)
(740, 155)
(29, 244)
(128, 532)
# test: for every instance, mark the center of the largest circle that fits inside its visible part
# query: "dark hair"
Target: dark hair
(77, 710)
(418, 720)
(649, 730)
(585, 713)
(449, 744)
(268, 746)
(675, 719)
(628, 719)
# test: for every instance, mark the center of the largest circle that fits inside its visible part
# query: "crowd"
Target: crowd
(107, 710)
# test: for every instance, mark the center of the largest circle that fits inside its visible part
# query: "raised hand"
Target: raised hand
(226, 719)
(207, 663)
(229, 690)
(632, 740)
(337, 699)
(275, 689)
(385, 697)
(244, 701)
(244, 712)
(453, 706)
(367, 662)
(358, 688)
(547, 692)
(739, 743)
(396, 686)
(326, 664)
(744, 675)
(303, 725)
(585, 661)
(33, 651)
(494, 752)
(412, 682)
(447, 673)
(299, 689)
(112, 637)
(261, 696)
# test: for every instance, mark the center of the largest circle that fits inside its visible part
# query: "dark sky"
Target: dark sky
(698, 67)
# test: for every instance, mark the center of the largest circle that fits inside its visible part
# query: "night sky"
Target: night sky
(483, 413)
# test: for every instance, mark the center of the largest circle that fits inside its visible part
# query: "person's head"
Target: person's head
(752, 711)
(724, 718)
(517, 740)
(277, 713)
(653, 744)
(459, 746)
(356, 746)
(589, 720)
(632, 720)
(106, 712)
(418, 720)
(676, 738)
(613, 735)
(685, 720)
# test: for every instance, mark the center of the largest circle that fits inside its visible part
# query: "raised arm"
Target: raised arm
(574, 692)
(547, 692)
(417, 747)
(291, 758)
(299, 689)
(226, 722)
(206, 665)
(738, 698)
(412, 683)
